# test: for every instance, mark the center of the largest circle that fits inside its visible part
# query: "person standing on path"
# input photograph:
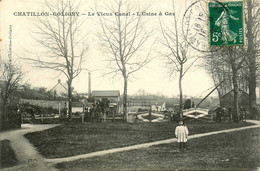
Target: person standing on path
(181, 133)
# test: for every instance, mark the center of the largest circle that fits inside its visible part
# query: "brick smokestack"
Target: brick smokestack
(89, 85)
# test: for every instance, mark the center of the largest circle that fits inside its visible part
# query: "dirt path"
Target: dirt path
(27, 155)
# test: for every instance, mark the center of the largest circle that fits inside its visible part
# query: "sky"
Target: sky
(154, 78)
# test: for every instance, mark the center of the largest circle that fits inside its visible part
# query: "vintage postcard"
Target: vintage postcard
(129, 85)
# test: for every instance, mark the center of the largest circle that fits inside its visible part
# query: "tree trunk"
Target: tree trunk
(252, 87)
(5, 119)
(125, 98)
(180, 89)
(252, 59)
(69, 99)
(219, 97)
(235, 113)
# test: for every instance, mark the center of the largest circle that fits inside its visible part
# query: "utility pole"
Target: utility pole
(89, 85)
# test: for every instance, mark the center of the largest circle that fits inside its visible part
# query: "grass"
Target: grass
(7, 155)
(79, 138)
(229, 151)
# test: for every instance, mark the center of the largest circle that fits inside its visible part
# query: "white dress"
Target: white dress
(181, 132)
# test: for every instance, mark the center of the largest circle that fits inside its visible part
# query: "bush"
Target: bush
(10, 119)
(48, 110)
(33, 109)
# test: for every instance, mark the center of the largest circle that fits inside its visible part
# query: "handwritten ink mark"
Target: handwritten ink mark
(32, 163)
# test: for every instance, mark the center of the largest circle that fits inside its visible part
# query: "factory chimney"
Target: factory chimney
(89, 85)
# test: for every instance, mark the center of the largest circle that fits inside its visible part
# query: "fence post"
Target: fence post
(59, 109)
(150, 114)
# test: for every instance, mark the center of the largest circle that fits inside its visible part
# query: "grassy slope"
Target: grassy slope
(77, 138)
(235, 150)
(7, 155)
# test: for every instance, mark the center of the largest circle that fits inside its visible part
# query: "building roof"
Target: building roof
(105, 93)
(60, 88)
(231, 92)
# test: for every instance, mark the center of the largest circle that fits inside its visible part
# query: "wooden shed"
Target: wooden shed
(228, 99)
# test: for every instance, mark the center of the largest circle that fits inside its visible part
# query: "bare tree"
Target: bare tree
(10, 78)
(253, 47)
(217, 71)
(240, 64)
(178, 50)
(123, 36)
(226, 65)
(235, 58)
(64, 41)
(141, 92)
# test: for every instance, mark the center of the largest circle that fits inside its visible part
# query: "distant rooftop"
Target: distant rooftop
(105, 93)
(60, 88)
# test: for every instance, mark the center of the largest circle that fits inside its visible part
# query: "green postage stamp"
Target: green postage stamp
(226, 23)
